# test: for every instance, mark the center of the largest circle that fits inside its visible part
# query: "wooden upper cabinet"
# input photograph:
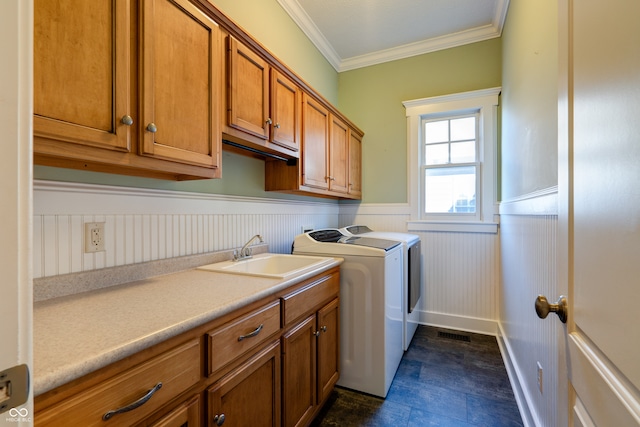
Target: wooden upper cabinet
(105, 71)
(285, 111)
(338, 155)
(82, 86)
(315, 141)
(248, 90)
(262, 104)
(330, 159)
(180, 63)
(355, 165)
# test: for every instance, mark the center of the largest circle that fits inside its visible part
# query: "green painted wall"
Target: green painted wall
(372, 98)
(529, 98)
(242, 175)
(268, 23)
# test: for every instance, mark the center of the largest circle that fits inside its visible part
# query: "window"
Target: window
(452, 166)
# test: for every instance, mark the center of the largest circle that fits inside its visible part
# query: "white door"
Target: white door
(16, 49)
(599, 211)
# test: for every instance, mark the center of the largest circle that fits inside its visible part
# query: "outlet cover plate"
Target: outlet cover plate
(93, 237)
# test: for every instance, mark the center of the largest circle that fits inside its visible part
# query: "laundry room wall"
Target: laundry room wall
(529, 211)
(147, 225)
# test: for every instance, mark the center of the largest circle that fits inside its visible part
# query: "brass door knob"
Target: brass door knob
(543, 308)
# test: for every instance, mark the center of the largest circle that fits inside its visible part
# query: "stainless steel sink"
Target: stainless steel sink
(278, 266)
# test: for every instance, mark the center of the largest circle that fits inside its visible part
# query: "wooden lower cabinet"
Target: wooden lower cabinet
(299, 377)
(118, 400)
(271, 363)
(249, 395)
(187, 414)
(310, 365)
(328, 349)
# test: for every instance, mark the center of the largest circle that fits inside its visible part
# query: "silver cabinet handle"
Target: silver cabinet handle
(252, 333)
(277, 126)
(323, 329)
(269, 121)
(144, 399)
(316, 333)
(151, 127)
(219, 419)
(126, 120)
(543, 308)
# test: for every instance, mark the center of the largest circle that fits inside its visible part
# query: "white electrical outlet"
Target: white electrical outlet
(93, 237)
(539, 377)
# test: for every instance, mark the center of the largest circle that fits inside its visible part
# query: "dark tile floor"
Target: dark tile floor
(441, 382)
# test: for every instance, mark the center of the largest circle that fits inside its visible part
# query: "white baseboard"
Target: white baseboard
(515, 379)
(459, 323)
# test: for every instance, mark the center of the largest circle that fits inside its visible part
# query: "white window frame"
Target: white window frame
(485, 104)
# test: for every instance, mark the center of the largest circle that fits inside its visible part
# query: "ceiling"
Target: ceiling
(358, 33)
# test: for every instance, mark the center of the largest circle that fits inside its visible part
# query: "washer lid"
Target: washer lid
(358, 229)
(370, 242)
(332, 235)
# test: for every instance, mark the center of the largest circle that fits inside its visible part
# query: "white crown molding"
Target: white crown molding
(302, 19)
(418, 48)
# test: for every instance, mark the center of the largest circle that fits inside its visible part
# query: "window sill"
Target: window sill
(454, 226)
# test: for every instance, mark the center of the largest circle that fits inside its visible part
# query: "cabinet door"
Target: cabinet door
(180, 85)
(248, 103)
(185, 415)
(285, 111)
(299, 373)
(249, 395)
(328, 349)
(315, 140)
(81, 64)
(338, 153)
(355, 165)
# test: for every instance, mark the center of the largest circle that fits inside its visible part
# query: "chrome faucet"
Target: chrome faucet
(245, 252)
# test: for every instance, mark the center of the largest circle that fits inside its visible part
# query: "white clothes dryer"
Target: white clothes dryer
(370, 306)
(412, 275)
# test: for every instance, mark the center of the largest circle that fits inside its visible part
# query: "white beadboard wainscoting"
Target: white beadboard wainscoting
(528, 233)
(461, 270)
(146, 225)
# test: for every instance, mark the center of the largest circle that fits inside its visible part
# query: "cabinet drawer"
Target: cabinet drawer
(237, 337)
(304, 300)
(177, 370)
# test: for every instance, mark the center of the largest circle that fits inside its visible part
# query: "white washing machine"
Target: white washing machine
(412, 275)
(370, 306)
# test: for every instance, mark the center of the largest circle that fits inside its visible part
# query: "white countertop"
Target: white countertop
(78, 334)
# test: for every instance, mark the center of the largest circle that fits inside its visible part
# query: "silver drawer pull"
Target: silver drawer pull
(144, 399)
(251, 334)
